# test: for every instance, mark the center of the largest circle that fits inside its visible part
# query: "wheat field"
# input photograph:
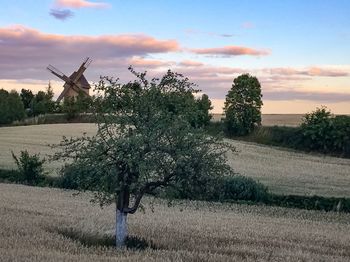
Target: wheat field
(32, 218)
(283, 171)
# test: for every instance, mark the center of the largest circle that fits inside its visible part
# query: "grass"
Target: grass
(35, 221)
(283, 171)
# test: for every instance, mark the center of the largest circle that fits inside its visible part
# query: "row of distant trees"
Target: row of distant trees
(16, 106)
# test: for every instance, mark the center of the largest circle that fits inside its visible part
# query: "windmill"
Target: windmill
(75, 83)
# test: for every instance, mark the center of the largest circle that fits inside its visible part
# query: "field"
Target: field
(283, 171)
(274, 119)
(35, 221)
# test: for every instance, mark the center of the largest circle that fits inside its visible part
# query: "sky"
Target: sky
(298, 49)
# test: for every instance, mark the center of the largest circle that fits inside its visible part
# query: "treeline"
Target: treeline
(16, 106)
(320, 131)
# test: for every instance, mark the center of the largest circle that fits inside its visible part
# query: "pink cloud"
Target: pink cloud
(230, 51)
(25, 52)
(310, 71)
(149, 63)
(190, 63)
(80, 4)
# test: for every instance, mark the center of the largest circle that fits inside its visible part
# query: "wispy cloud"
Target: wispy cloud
(230, 51)
(77, 4)
(190, 63)
(310, 71)
(62, 15)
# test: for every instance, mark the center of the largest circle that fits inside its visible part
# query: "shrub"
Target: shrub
(225, 189)
(242, 188)
(10, 176)
(69, 176)
(30, 167)
(326, 133)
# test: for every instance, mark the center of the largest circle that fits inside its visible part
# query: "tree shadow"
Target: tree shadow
(97, 240)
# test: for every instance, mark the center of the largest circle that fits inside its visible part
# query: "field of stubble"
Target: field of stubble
(283, 171)
(31, 219)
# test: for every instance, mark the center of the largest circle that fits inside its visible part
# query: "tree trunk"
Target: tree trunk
(121, 228)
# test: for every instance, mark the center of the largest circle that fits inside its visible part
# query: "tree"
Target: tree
(323, 131)
(73, 106)
(26, 97)
(144, 141)
(11, 107)
(42, 102)
(243, 105)
(204, 106)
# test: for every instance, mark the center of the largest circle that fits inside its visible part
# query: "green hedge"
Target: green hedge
(237, 189)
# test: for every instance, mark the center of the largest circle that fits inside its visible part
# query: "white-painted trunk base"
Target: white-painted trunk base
(121, 229)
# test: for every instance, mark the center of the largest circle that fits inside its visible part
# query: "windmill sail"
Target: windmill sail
(75, 83)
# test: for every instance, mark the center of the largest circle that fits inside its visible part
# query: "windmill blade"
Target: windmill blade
(82, 69)
(64, 92)
(67, 87)
(58, 73)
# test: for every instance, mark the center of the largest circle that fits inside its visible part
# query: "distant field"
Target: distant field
(283, 171)
(31, 219)
(274, 119)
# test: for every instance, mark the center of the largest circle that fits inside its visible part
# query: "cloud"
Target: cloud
(190, 63)
(149, 63)
(77, 4)
(25, 52)
(61, 14)
(310, 96)
(230, 51)
(310, 71)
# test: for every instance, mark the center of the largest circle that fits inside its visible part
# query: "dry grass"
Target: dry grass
(288, 172)
(31, 218)
(283, 171)
(274, 119)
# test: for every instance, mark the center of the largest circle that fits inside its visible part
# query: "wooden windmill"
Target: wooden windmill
(74, 84)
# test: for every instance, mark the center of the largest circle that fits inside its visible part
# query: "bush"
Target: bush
(30, 167)
(69, 176)
(321, 131)
(12, 176)
(226, 189)
(241, 188)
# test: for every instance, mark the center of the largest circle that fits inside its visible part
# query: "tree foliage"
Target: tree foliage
(145, 140)
(30, 167)
(27, 98)
(325, 132)
(42, 102)
(243, 105)
(73, 106)
(11, 107)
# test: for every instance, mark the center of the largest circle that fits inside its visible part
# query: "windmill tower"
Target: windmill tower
(75, 83)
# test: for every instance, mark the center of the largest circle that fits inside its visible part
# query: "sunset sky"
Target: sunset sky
(298, 49)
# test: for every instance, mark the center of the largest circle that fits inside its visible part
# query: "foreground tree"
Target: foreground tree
(144, 141)
(243, 106)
